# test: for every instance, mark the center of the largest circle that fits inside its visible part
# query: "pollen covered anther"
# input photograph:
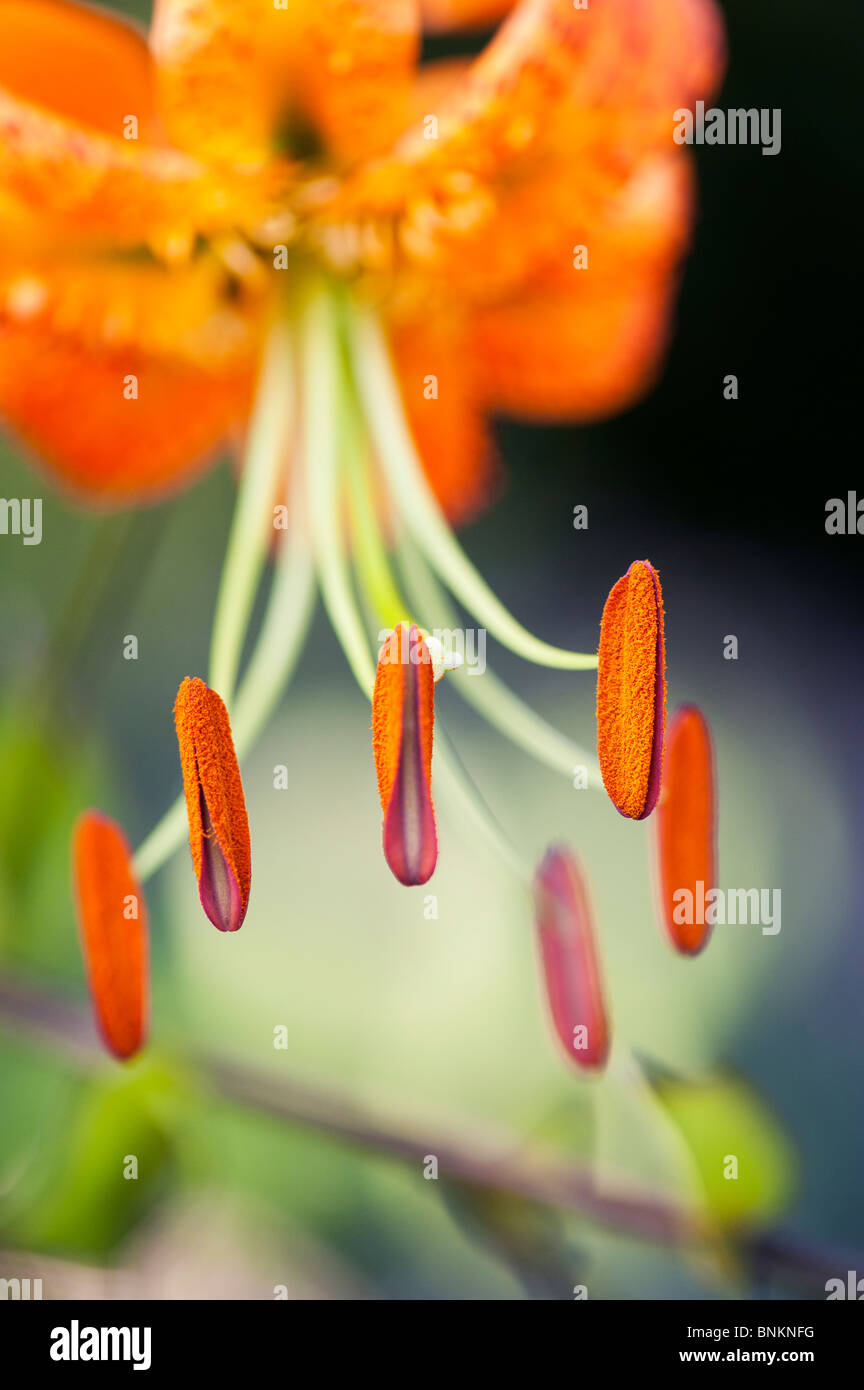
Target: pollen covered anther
(215, 805)
(631, 691)
(686, 829)
(402, 722)
(571, 969)
(112, 917)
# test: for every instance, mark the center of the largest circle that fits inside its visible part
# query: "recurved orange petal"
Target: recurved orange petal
(240, 80)
(115, 425)
(576, 356)
(442, 402)
(631, 691)
(686, 829)
(557, 89)
(104, 187)
(571, 970)
(402, 723)
(112, 915)
(358, 59)
(84, 63)
(81, 140)
(215, 805)
(217, 65)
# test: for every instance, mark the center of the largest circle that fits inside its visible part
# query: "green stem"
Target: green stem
(250, 530)
(419, 507)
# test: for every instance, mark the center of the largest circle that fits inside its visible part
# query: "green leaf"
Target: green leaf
(110, 1166)
(745, 1161)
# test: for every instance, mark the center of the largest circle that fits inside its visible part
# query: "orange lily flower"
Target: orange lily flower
(146, 186)
(267, 223)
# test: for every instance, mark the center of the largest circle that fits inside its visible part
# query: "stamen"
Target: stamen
(418, 506)
(271, 666)
(451, 776)
(570, 965)
(113, 920)
(218, 825)
(631, 691)
(686, 827)
(402, 724)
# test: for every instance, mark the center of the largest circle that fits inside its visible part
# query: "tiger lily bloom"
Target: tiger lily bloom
(164, 199)
(686, 828)
(265, 225)
(113, 919)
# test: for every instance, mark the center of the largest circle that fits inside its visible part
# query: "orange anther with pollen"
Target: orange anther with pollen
(216, 807)
(686, 827)
(631, 691)
(402, 721)
(112, 915)
(571, 969)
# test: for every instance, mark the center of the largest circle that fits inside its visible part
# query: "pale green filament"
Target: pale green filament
(282, 636)
(266, 454)
(498, 704)
(419, 508)
(284, 630)
(165, 837)
(371, 557)
(487, 693)
(283, 633)
(465, 797)
(323, 444)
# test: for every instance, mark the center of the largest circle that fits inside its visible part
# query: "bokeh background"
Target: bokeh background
(439, 1024)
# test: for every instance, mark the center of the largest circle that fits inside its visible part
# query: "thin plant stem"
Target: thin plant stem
(485, 1159)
